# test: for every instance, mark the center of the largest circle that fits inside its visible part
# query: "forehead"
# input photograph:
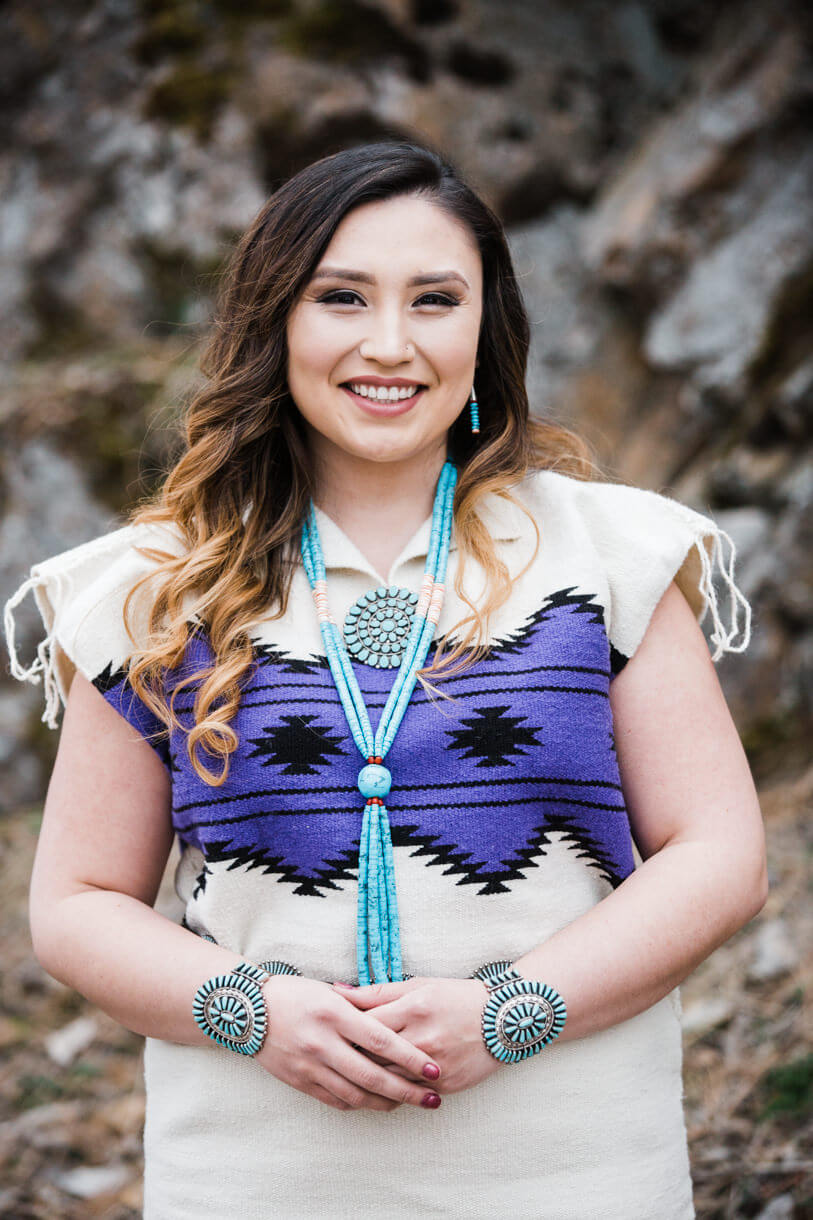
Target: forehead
(402, 235)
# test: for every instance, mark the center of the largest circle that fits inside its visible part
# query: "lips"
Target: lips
(377, 406)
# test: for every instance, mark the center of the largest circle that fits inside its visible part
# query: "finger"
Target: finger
(329, 1099)
(370, 1034)
(391, 1014)
(393, 1067)
(353, 1095)
(427, 1081)
(362, 1072)
(375, 993)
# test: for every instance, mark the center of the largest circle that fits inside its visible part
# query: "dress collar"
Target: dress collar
(502, 519)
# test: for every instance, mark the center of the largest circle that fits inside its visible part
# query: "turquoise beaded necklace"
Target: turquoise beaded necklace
(377, 928)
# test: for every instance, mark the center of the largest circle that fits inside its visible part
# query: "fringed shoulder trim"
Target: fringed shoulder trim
(710, 548)
(645, 540)
(80, 595)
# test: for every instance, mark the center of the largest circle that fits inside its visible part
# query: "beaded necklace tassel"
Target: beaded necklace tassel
(378, 939)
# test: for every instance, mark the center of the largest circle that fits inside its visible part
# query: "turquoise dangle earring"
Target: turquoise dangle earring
(474, 411)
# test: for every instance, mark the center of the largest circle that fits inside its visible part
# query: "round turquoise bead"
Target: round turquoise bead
(374, 780)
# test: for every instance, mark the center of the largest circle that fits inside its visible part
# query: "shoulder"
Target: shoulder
(642, 540)
(618, 504)
(82, 590)
(117, 550)
(80, 594)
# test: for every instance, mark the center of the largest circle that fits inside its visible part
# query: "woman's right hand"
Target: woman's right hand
(309, 1045)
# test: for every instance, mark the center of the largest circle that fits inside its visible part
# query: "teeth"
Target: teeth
(384, 393)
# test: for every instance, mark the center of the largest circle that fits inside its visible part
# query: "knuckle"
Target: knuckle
(309, 1044)
(368, 1079)
(433, 1047)
(379, 1039)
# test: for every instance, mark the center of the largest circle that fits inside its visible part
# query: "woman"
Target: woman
(462, 847)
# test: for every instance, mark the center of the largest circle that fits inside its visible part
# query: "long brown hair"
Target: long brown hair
(240, 491)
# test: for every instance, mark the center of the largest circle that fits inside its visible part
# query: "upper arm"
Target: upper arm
(683, 768)
(107, 818)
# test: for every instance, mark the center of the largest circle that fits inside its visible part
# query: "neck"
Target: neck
(353, 490)
(379, 505)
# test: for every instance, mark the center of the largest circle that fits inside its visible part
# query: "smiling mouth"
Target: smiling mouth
(383, 406)
(348, 385)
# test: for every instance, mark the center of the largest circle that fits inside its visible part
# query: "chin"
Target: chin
(389, 449)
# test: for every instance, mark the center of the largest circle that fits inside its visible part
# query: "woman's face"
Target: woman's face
(363, 319)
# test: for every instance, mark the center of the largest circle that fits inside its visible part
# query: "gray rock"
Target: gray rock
(567, 316)
(63, 1045)
(717, 321)
(637, 234)
(774, 954)
(22, 771)
(18, 213)
(706, 1013)
(48, 510)
(793, 401)
(88, 1182)
(780, 1208)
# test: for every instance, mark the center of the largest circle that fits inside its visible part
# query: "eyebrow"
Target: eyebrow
(361, 277)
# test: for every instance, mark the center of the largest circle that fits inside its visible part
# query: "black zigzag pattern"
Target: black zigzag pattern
(342, 868)
(472, 872)
(269, 655)
(109, 677)
(516, 641)
(492, 882)
(617, 660)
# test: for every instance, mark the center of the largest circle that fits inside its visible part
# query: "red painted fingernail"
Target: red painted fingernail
(430, 1100)
(431, 1071)
(339, 983)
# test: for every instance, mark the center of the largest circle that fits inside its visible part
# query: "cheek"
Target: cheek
(451, 352)
(312, 346)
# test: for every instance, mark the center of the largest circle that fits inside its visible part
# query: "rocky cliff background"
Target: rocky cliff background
(653, 163)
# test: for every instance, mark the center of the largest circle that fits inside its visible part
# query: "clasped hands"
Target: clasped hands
(440, 1016)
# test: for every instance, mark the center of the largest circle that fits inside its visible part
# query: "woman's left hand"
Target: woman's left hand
(441, 1017)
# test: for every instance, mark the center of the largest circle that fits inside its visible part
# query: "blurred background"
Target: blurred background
(653, 164)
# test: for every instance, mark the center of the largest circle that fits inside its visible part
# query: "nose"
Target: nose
(387, 341)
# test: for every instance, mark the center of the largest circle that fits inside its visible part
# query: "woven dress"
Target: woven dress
(508, 822)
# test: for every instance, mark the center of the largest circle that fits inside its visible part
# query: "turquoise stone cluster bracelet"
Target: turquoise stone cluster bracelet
(520, 1015)
(231, 1008)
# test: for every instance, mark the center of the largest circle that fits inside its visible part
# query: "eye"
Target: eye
(441, 297)
(332, 298)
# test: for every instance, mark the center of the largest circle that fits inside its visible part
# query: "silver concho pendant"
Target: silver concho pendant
(377, 626)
